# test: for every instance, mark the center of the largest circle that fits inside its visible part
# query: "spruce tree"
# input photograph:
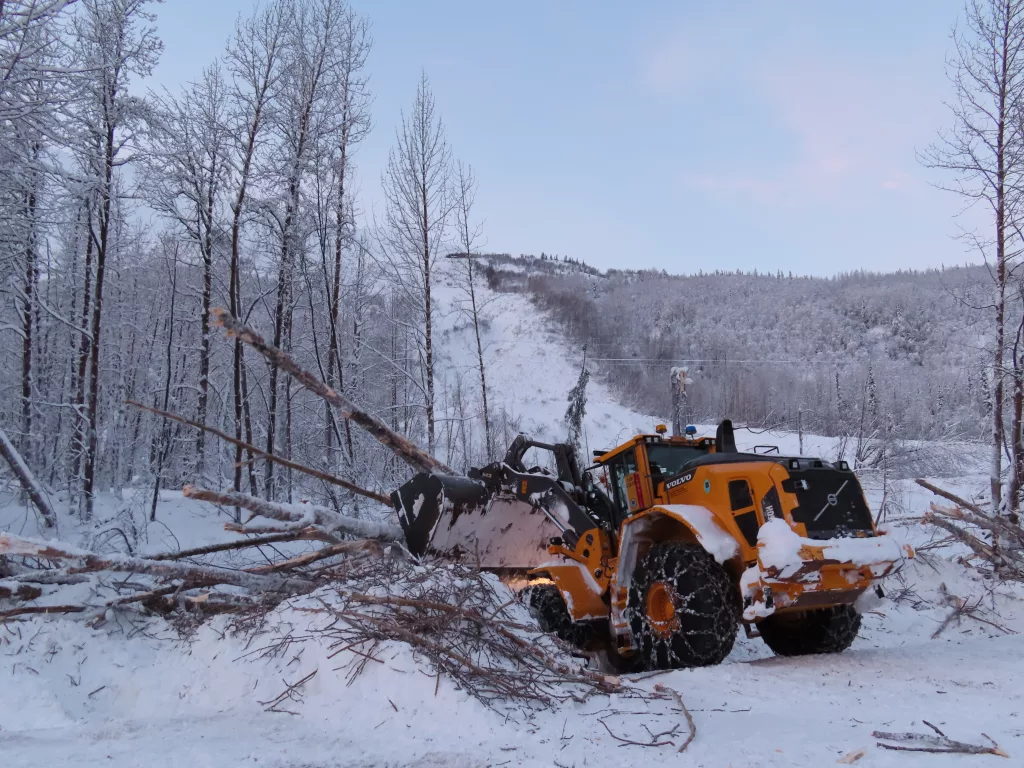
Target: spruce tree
(577, 409)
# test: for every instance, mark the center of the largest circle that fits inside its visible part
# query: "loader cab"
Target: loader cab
(637, 470)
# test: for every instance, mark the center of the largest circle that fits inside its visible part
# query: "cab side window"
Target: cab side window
(741, 500)
(739, 495)
(618, 469)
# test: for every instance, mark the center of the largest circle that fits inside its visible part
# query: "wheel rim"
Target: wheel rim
(661, 610)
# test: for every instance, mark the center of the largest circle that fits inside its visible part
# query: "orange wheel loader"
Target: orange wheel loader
(666, 545)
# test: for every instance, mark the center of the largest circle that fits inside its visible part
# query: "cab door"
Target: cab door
(622, 474)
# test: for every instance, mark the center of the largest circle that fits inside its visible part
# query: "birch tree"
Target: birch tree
(353, 123)
(255, 61)
(31, 95)
(473, 305)
(189, 166)
(984, 152)
(418, 204)
(115, 41)
(312, 77)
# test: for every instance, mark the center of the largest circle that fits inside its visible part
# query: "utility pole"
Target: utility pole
(679, 379)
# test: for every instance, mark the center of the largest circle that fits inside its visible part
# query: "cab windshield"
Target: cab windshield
(666, 460)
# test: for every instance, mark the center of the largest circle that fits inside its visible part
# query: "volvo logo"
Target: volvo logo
(831, 500)
(679, 481)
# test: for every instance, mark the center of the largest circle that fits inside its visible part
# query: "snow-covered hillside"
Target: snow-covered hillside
(133, 691)
(530, 367)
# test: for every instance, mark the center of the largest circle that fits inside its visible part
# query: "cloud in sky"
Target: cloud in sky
(850, 126)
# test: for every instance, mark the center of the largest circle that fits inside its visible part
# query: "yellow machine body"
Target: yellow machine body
(726, 503)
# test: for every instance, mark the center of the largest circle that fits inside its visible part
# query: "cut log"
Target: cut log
(40, 609)
(308, 514)
(19, 592)
(27, 480)
(402, 447)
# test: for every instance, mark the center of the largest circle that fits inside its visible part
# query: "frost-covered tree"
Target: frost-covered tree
(577, 410)
(351, 123)
(984, 155)
(418, 205)
(114, 40)
(254, 59)
(472, 304)
(187, 174)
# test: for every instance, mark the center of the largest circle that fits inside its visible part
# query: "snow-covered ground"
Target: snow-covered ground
(133, 693)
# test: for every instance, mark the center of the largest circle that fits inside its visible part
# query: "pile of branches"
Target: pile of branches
(170, 582)
(463, 623)
(359, 596)
(995, 539)
(184, 580)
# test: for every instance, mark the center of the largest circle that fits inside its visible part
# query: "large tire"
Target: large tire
(548, 607)
(824, 630)
(683, 608)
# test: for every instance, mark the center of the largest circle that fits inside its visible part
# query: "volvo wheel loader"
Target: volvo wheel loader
(661, 549)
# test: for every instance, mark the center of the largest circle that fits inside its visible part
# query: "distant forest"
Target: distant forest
(867, 354)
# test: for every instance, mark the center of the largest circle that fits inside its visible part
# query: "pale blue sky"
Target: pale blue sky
(677, 135)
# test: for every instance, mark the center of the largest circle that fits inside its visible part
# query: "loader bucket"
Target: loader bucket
(421, 502)
(458, 518)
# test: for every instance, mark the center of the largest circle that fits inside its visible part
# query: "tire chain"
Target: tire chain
(552, 614)
(706, 603)
(826, 630)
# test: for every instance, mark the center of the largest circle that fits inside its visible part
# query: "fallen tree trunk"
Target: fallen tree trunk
(318, 474)
(327, 519)
(27, 480)
(41, 609)
(1006, 562)
(997, 525)
(402, 447)
(21, 592)
(949, 496)
(209, 574)
(341, 548)
(309, 534)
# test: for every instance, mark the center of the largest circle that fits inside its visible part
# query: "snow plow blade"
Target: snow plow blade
(458, 518)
